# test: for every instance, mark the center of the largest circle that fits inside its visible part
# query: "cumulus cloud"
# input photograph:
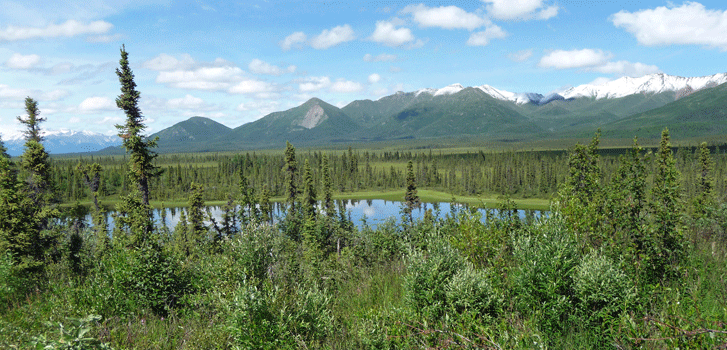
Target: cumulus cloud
(332, 37)
(520, 56)
(374, 78)
(295, 40)
(165, 62)
(447, 17)
(689, 24)
(257, 66)
(380, 58)
(97, 103)
(521, 9)
(18, 61)
(346, 86)
(312, 84)
(560, 59)
(627, 68)
(67, 29)
(252, 86)
(185, 73)
(186, 102)
(595, 61)
(387, 33)
(483, 38)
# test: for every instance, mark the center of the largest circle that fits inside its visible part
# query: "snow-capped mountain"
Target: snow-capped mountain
(62, 141)
(653, 83)
(622, 87)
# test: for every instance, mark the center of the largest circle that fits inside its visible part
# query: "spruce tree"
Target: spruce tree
(196, 230)
(3, 149)
(309, 194)
(666, 246)
(32, 121)
(293, 220)
(141, 160)
(328, 205)
(627, 197)
(704, 196)
(134, 210)
(410, 197)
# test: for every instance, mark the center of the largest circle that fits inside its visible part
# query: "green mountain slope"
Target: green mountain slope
(369, 113)
(312, 122)
(468, 112)
(567, 115)
(699, 114)
(194, 132)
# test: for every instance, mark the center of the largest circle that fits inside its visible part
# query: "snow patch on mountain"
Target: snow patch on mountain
(62, 141)
(653, 83)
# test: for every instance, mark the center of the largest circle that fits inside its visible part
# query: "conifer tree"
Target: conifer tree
(3, 149)
(704, 196)
(141, 160)
(665, 246)
(627, 196)
(196, 230)
(309, 194)
(328, 204)
(32, 121)
(266, 212)
(92, 178)
(134, 211)
(293, 220)
(410, 197)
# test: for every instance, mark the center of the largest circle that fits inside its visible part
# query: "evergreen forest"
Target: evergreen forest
(631, 253)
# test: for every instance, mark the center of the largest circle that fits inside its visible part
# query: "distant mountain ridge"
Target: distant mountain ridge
(63, 141)
(622, 108)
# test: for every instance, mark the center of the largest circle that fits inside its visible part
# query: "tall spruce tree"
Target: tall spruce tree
(3, 149)
(35, 192)
(328, 205)
(665, 246)
(134, 213)
(627, 197)
(141, 161)
(704, 196)
(411, 198)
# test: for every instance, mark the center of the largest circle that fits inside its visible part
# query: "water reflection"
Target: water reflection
(371, 211)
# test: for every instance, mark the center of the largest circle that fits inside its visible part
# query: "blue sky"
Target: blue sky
(236, 61)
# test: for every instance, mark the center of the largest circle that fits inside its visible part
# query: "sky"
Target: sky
(237, 61)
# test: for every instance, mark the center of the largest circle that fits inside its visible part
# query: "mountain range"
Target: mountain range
(622, 108)
(63, 141)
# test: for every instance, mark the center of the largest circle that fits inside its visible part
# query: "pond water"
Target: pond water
(374, 211)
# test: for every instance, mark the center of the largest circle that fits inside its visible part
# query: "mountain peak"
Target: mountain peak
(652, 83)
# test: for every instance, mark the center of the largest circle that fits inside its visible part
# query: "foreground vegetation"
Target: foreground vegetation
(631, 256)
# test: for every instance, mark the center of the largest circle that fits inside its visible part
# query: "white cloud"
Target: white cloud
(295, 40)
(332, 37)
(312, 84)
(251, 86)
(218, 75)
(483, 38)
(14, 94)
(625, 68)
(689, 24)
(386, 33)
(186, 102)
(586, 58)
(55, 95)
(68, 29)
(447, 17)
(18, 61)
(165, 62)
(257, 66)
(521, 9)
(374, 78)
(104, 38)
(95, 104)
(520, 56)
(595, 61)
(380, 58)
(346, 86)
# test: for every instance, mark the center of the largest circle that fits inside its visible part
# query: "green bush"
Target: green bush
(428, 276)
(543, 279)
(9, 281)
(72, 337)
(470, 290)
(602, 289)
(269, 318)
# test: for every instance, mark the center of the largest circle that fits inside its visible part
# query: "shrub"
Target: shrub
(470, 290)
(602, 289)
(543, 280)
(9, 281)
(429, 273)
